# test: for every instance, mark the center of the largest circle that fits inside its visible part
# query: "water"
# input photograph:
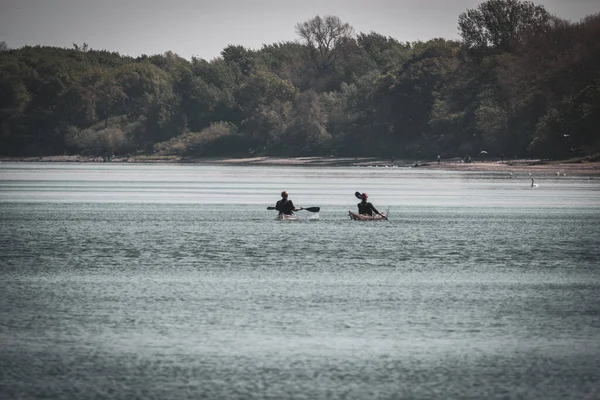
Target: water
(174, 281)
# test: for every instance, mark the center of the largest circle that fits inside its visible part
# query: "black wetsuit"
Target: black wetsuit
(365, 207)
(285, 206)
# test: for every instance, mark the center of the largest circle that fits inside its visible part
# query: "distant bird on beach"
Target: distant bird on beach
(533, 184)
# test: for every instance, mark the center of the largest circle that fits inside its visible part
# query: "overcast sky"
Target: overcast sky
(202, 28)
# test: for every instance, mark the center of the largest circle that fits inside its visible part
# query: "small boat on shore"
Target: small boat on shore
(363, 217)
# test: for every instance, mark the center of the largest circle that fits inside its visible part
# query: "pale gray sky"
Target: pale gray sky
(204, 27)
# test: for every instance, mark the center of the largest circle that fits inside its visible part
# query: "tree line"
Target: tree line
(520, 83)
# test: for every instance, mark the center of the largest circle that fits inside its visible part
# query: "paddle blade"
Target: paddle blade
(270, 208)
(358, 195)
(312, 209)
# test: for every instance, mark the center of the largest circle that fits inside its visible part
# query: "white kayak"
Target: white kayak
(294, 217)
(287, 217)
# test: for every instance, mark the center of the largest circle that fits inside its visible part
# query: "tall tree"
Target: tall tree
(325, 38)
(498, 23)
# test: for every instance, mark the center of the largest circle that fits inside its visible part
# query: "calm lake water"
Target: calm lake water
(173, 281)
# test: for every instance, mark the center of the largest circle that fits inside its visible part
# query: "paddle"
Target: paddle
(359, 196)
(310, 209)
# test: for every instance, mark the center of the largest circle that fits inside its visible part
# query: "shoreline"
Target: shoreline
(558, 168)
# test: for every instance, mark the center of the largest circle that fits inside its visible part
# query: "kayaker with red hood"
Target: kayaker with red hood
(365, 207)
(286, 206)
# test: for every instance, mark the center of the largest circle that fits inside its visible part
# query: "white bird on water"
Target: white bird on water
(533, 184)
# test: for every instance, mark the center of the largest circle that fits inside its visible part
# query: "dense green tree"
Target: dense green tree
(500, 23)
(266, 128)
(262, 89)
(306, 133)
(285, 59)
(521, 83)
(239, 60)
(384, 52)
(407, 94)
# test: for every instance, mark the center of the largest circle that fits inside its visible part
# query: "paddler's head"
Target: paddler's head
(284, 195)
(364, 197)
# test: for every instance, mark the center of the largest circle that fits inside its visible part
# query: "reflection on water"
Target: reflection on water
(168, 281)
(388, 187)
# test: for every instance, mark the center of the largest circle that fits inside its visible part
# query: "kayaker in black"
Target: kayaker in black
(365, 207)
(285, 206)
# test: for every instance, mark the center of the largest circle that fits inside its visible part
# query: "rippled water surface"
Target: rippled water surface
(174, 281)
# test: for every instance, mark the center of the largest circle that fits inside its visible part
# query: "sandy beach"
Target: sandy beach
(538, 167)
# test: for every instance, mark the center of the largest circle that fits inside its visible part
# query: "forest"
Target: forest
(520, 83)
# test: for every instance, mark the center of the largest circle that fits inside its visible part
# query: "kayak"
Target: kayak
(287, 217)
(363, 217)
(294, 217)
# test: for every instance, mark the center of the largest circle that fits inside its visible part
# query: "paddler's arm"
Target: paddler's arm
(375, 210)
